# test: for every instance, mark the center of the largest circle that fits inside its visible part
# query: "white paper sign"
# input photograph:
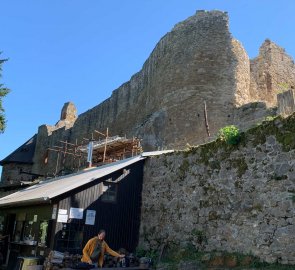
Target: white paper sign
(76, 213)
(62, 218)
(90, 217)
(62, 211)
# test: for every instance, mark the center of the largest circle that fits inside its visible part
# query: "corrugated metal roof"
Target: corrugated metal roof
(48, 189)
(156, 153)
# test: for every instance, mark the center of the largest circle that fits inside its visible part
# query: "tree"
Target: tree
(3, 92)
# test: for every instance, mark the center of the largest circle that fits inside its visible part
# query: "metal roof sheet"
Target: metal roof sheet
(48, 189)
(156, 153)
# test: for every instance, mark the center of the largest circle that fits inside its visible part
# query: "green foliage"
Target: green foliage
(280, 177)
(3, 92)
(292, 197)
(176, 255)
(241, 166)
(183, 169)
(230, 134)
(43, 232)
(282, 129)
(282, 87)
(200, 236)
(270, 118)
(152, 254)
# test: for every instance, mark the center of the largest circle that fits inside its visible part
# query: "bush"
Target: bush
(151, 254)
(269, 118)
(230, 134)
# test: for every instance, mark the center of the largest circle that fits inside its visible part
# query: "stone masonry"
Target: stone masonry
(286, 102)
(272, 72)
(163, 104)
(219, 197)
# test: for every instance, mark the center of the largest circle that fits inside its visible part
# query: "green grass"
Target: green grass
(174, 256)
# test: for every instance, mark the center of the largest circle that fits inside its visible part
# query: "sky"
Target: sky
(82, 50)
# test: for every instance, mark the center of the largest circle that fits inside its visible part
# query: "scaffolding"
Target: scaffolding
(94, 152)
(63, 152)
(111, 149)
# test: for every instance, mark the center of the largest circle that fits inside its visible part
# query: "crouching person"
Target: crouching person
(94, 250)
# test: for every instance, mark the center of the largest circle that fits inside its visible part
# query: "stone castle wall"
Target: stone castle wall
(11, 172)
(163, 104)
(225, 198)
(286, 102)
(272, 72)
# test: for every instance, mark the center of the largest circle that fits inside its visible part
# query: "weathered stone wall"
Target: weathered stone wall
(252, 114)
(242, 75)
(272, 72)
(286, 102)
(11, 172)
(68, 116)
(163, 104)
(49, 162)
(226, 198)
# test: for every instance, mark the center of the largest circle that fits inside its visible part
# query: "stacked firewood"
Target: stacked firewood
(71, 260)
(133, 260)
(56, 260)
(129, 261)
(110, 261)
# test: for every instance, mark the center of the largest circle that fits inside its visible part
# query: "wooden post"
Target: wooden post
(79, 160)
(105, 146)
(75, 152)
(132, 147)
(123, 157)
(8, 251)
(65, 152)
(57, 161)
(206, 119)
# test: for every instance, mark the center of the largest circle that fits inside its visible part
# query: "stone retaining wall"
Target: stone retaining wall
(226, 198)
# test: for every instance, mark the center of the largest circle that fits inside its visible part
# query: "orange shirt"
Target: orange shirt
(89, 248)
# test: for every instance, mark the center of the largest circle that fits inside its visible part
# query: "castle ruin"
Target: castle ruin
(197, 63)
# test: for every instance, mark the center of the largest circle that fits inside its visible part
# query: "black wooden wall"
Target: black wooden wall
(121, 220)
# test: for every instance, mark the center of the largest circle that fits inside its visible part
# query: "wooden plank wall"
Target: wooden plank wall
(121, 220)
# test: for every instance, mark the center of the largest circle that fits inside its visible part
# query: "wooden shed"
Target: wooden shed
(64, 213)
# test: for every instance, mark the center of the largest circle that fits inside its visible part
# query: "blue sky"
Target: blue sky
(81, 50)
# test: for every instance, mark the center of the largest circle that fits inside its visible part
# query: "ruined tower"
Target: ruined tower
(197, 62)
(272, 72)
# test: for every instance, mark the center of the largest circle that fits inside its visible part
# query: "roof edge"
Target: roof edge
(41, 200)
